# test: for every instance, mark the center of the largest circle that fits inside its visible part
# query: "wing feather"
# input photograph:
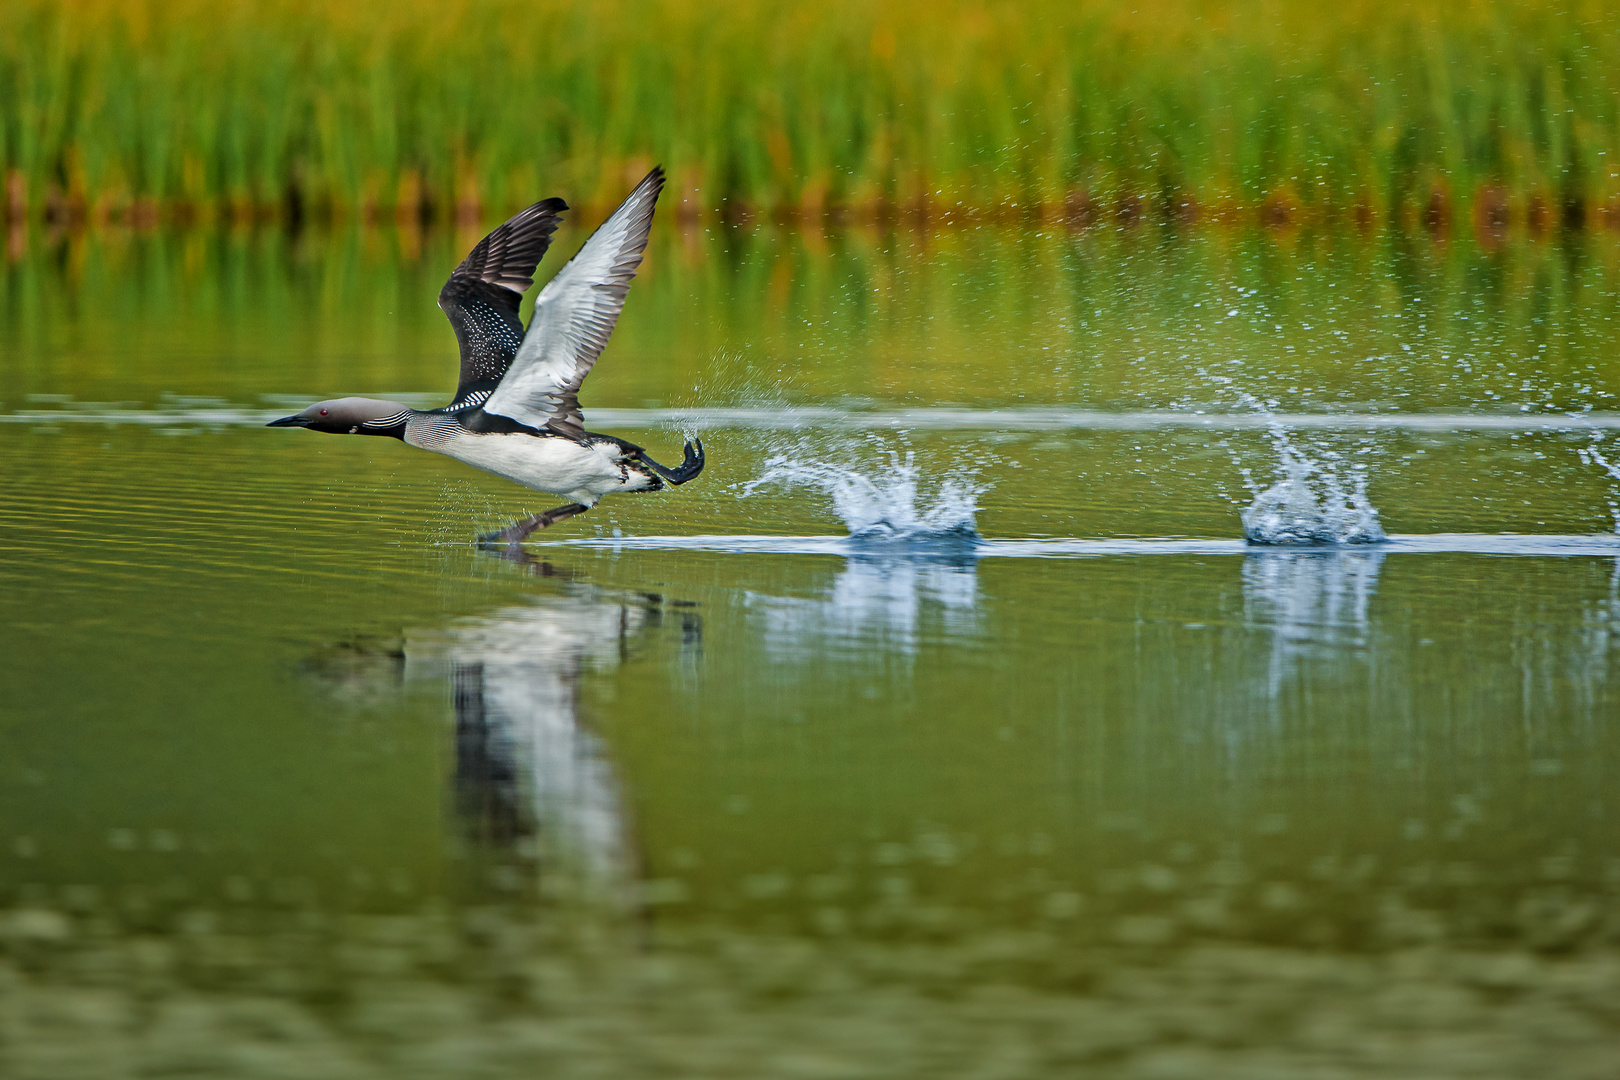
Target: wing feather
(574, 316)
(482, 296)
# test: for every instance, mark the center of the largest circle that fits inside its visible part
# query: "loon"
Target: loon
(516, 411)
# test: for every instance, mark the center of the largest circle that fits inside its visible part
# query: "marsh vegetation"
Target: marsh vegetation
(1435, 114)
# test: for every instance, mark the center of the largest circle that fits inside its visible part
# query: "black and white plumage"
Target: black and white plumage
(481, 298)
(516, 410)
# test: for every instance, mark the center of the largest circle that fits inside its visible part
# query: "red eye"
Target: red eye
(323, 412)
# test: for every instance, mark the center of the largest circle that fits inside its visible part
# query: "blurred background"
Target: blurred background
(973, 715)
(1437, 115)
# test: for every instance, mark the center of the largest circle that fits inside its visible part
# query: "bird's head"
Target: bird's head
(350, 416)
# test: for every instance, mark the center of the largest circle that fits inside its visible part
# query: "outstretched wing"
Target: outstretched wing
(573, 317)
(481, 298)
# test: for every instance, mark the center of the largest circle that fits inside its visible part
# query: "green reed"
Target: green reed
(1420, 112)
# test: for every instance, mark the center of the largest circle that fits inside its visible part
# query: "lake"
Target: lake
(947, 726)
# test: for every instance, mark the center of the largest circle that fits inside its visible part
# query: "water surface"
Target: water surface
(1044, 772)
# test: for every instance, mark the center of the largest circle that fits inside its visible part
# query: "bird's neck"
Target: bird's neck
(391, 418)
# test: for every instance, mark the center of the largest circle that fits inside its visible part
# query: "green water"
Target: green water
(298, 783)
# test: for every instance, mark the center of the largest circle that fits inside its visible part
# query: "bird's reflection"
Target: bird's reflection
(489, 786)
(1313, 603)
(893, 598)
(530, 777)
(527, 767)
(520, 556)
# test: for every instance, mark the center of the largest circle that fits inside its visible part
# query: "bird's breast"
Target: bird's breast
(549, 463)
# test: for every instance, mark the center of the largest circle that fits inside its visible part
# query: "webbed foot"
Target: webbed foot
(690, 466)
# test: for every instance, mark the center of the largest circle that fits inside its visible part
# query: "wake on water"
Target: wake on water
(893, 513)
(1316, 500)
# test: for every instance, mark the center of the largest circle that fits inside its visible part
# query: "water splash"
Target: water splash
(1319, 496)
(1591, 455)
(1314, 501)
(888, 505)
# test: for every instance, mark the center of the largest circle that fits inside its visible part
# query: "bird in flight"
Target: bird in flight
(516, 411)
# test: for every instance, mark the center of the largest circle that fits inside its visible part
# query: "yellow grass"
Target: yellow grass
(1283, 110)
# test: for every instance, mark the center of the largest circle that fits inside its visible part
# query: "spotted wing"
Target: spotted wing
(573, 317)
(482, 296)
